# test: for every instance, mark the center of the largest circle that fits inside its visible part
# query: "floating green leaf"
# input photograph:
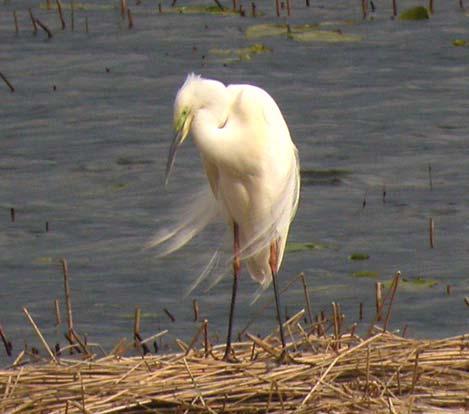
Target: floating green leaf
(244, 53)
(415, 13)
(460, 42)
(301, 247)
(359, 256)
(413, 283)
(328, 36)
(366, 273)
(44, 260)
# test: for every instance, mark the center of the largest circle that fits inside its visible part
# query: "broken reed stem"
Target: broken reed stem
(360, 311)
(58, 319)
(288, 8)
(431, 232)
(12, 89)
(39, 334)
(61, 15)
(253, 9)
(364, 8)
(336, 320)
(307, 302)
(430, 179)
(130, 19)
(15, 18)
(68, 300)
(48, 5)
(123, 7)
(72, 15)
(220, 6)
(206, 341)
(234, 5)
(86, 25)
(137, 317)
(430, 6)
(169, 314)
(394, 284)
(6, 342)
(33, 21)
(394, 8)
(44, 27)
(379, 300)
(277, 7)
(195, 307)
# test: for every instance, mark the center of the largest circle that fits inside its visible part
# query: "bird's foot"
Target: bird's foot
(285, 357)
(230, 355)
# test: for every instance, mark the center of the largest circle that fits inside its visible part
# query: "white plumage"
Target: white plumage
(251, 164)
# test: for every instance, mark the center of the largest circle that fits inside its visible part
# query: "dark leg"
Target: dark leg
(236, 268)
(273, 262)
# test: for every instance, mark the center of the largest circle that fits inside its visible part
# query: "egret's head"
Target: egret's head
(183, 116)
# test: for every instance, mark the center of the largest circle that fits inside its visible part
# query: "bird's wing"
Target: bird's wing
(211, 171)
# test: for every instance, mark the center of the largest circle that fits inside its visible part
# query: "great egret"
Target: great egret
(252, 167)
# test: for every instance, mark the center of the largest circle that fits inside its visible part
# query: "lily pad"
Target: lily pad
(323, 177)
(460, 42)
(269, 30)
(328, 36)
(366, 273)
(413, 283)
(415, 13)
(44, 260)
(244, 53)
(301, 247)
(359, 256)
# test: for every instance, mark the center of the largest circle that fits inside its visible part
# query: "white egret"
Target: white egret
(252, 167)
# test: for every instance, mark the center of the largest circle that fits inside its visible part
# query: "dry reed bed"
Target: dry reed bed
(382, 373)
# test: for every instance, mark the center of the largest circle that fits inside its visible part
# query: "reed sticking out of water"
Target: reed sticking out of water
(160, 9)
(72, 15)
(129, 17)
(461, 5)
(307, 301)
(234, 5)
(12, 89)
(431, 232)
(253, 9)
(123, 7)
(44, 27)
(33, 21)
(277, 7)
(86, 25)
(68, 299)
(379, 300)
(169, 314)
(430, 179)
(288, 8)
(58, 318)
(360, 311)
(307, 3)
(195, 307)
(48, 5)
(47, 223)
(394, 285)
(364, 8)
(220, 6)
(61, 15)
(15, 18)
(12, 210)
(6, 343)
(394, 8)
(430, 6)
